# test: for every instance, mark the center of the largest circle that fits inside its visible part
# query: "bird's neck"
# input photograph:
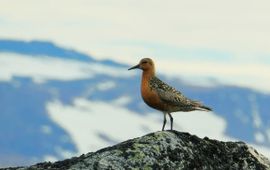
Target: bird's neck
(148, 74)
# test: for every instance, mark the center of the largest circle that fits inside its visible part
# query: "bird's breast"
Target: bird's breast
(151, 97)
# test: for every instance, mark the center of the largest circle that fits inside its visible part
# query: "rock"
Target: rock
(166, 150)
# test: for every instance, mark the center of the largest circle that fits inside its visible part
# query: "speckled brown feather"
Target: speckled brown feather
(175, 100)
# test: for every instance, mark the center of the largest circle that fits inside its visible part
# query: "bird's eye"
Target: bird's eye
(144, 62)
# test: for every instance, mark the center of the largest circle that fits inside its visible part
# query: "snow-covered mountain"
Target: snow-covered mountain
(56, 102)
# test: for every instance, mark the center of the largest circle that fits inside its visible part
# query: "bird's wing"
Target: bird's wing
(168, 93)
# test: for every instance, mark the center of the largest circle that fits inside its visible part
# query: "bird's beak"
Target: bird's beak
(137, 66)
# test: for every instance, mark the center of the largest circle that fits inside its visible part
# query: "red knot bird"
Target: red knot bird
(161, 96)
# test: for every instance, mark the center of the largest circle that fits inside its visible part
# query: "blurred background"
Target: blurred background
(65, 89)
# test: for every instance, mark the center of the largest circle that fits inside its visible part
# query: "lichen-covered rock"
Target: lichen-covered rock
(167, 150)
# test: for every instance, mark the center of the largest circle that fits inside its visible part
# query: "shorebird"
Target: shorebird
(162, 96)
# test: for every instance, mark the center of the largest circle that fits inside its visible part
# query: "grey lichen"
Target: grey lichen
(167, 150)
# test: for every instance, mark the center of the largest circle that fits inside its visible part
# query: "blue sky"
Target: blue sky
(226, 40)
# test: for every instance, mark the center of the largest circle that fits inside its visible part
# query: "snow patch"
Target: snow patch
(46, 129)
(121, 101)
(259, 137)
(201, 124)
(41, 69)
(106, 85)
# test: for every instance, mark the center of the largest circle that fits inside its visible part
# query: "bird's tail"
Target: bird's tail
(199, 106)
(204, 108)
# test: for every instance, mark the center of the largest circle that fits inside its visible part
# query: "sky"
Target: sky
(223, 40)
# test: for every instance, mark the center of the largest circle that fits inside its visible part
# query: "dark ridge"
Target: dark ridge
(41, 48)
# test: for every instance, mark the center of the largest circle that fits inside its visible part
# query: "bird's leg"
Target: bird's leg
(164, 121)
(171, 118)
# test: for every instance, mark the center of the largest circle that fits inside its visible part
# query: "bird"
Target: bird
(161, 96)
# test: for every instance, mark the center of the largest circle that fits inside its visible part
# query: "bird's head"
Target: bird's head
(145, 65)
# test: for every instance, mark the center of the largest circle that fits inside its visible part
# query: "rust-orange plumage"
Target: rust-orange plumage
(161, 96)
